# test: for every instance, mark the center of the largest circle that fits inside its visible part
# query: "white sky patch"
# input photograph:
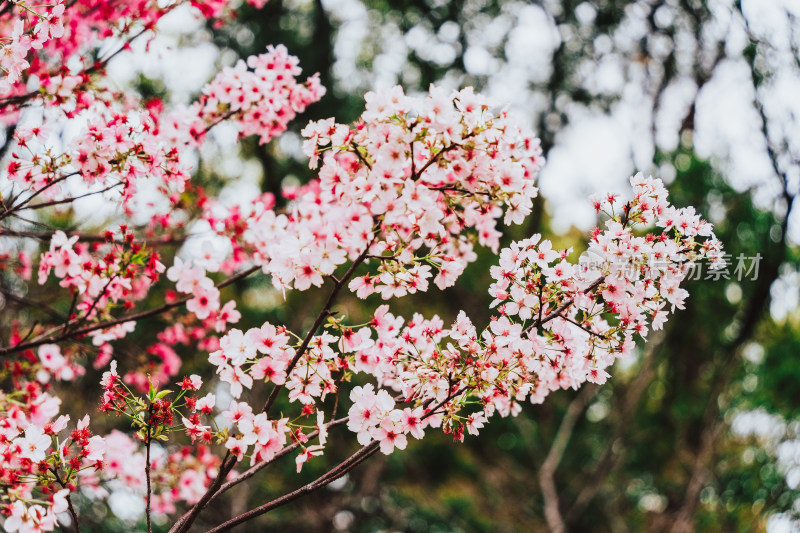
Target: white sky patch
(676, 100)
(127, 506)
(728, 127)
(591, 156)
(532, 41)
(181, 55)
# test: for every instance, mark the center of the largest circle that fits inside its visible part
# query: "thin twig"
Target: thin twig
(358, 154)
(561, 308)
(70, 507)
(253, 470)
(46, 236)
(13, 208)
(185, 521)
(345, 466)
(32, 303)
(584, 328)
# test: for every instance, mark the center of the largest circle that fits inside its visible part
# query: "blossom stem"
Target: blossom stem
(317, 323)
(185, 521)
(73, 514)
(70, 507)
(561, 308)
(147, 470)
(250, 472)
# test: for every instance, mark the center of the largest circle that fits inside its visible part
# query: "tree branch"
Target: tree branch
(547, 472)
(561, 308)
(45, 338)
(22, 300)
(344, 467)
(46, 236)
(247, 474)
(147, 470)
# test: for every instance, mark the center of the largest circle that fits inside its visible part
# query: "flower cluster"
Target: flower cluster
(238, 93)
(42, 38)
(40, 459)
(126, 143)
(413, 185)
(117, 274)
(558, 325)
(180, 476)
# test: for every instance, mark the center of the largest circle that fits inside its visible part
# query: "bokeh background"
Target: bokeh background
(700, 430)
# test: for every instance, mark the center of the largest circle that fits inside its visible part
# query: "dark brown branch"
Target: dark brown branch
(351, 462)
(383, 257)
(68, 320)
(561, 308)
(344, 467)
(9, 134)
(46, 236)
(417, 175)
(32, 303)
(450, 396)
(18, 207)
(20, 99)
(359, 155)
(73, 513)
(253, 470)
(51, 203)
(584, 328)
(185, 522)
(460, 190)
(323, 480)
(45, 338)
(70, 507)
(85, 317)
(147, 469)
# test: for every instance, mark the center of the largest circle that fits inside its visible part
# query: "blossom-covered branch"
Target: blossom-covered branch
(400, 201)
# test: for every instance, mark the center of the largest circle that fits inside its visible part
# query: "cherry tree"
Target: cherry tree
(400, 201)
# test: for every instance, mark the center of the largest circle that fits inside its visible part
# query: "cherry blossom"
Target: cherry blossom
(399, 203)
